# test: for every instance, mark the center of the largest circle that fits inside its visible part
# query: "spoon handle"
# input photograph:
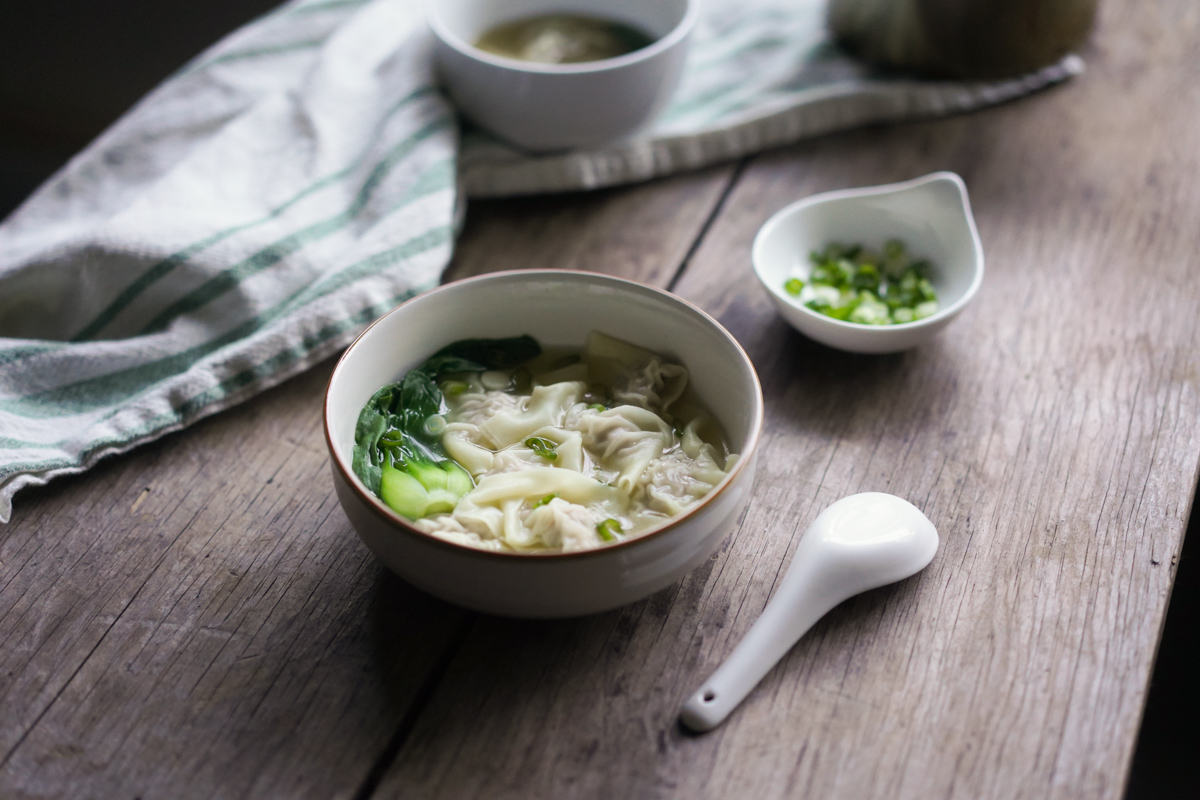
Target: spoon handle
(795, 608)
(861, 542)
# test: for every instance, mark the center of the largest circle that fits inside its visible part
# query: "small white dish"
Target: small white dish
(545, 107)
(558, 308)
(931, 215)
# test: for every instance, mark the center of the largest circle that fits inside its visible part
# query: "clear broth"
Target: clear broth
(542, 368)
(563, 39)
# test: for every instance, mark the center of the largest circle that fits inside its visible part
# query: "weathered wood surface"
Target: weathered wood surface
(1034, 433)
(644, 233)
(197, 618)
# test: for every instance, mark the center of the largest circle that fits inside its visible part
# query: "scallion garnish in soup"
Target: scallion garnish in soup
(562, 39)
(499, 445)
(855, 284)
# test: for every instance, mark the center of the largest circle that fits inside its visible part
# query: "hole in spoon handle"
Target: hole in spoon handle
(705, 710)
(792, 611)
(858, 543)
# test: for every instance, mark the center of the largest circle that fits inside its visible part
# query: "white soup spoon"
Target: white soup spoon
(860, 542)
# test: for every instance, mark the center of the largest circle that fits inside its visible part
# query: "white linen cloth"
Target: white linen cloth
(252, 214)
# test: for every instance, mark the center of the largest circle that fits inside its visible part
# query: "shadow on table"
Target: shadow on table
(1164, 764)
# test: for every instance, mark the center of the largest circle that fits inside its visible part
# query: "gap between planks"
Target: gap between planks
(433, 680)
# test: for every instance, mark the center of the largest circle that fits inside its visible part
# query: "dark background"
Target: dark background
(69, 68)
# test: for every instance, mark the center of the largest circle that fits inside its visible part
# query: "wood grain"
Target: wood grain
(644, 231)
(1034, 432)
(200, 614)
(198, 619)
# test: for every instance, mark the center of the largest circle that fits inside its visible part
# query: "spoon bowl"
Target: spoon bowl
(859, 543)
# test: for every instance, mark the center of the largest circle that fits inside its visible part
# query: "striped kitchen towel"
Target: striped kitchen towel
(252, 214)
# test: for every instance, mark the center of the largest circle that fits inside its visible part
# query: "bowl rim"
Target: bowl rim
(452, 40)
(777, 219)
(379, 509)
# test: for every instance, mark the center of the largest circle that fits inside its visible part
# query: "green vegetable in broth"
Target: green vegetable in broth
(500, 445)
(608, 530)
(397, 452)
(545, 501)
(562, 39)
(543, 447)
(420, 489)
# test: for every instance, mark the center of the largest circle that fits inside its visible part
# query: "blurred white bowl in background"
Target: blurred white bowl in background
(545, 107)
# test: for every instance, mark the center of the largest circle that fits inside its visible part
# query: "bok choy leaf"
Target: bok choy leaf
(396, 455)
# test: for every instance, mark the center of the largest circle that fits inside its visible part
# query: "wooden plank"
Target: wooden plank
(643, 231)
(199, 614)
(1052, 434)
(199, 618)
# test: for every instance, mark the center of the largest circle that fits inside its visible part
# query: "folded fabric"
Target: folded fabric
(762, 73)
(252, 214)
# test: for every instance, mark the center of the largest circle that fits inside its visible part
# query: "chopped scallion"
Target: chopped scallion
(542, 447)
(609, 530)
(851, 283)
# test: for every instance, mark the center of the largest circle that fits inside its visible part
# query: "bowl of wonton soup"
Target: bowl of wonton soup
(559, 309)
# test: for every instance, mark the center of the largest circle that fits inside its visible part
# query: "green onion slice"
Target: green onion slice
(542, 447)
(609, 530)
(850, 283)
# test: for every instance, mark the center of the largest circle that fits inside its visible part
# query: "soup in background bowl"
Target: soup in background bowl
(558, 106)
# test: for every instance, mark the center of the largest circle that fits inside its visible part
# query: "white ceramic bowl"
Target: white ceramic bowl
(558, 309)
(558, 106)
(931, 215)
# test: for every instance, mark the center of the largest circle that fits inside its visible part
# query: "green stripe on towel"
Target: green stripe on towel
(164, 268)
(194, 407)
(123, 385)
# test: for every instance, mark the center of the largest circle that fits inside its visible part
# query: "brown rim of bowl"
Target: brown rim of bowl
(379, 509)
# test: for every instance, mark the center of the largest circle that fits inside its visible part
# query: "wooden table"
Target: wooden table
(198, 619)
